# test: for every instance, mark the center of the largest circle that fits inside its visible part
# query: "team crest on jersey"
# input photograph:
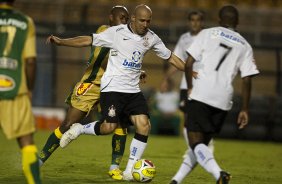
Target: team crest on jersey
(83, 88)
(146, 42)
(6, 83)
(112, 111)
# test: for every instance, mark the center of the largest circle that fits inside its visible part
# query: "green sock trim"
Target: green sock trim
(34, 167)
(50, 146)
(118, 146)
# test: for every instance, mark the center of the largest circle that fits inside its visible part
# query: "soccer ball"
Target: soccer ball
(143, 171)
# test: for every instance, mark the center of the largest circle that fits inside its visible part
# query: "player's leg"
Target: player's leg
(110, 110)
(83, 97)
(19, 125)
(30, 161)
(138, 109)
(186, 167)
(138, 143)
(73, 116)
(118, 147)
(203, 121)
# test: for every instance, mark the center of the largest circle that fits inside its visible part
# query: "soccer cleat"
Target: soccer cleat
(224, 178)
(173, 182)
(71, 134)
(127, 176)
(115, 174)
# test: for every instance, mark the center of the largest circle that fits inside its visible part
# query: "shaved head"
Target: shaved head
(142, 9)
(141, 19)
(229, 16)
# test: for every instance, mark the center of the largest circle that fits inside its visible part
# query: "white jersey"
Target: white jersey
(127, 51)
(223, 52)
(180, 50)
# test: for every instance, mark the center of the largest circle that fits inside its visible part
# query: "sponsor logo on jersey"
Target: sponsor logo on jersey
(229, 37)
(6, 83)
(8, 63)
(83, 88)
(112, 111)
(135, 61)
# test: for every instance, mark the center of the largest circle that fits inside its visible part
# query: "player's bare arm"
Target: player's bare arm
(243, 116)
(177, 62)
(79, 41)
(189, 72)
(30, 74)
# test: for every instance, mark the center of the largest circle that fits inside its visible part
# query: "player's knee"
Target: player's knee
(143, 127)
(107, 128)
(65, 126)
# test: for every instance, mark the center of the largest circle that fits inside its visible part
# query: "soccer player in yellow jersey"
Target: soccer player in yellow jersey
(17, 74)
(86, 95)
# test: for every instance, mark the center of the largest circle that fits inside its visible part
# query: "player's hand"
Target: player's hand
(53, 39)
(143, 77)
(189, 93)
(243, 119)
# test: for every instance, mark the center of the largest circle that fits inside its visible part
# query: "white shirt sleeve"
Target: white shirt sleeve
(196, 48)
(248, 66)
(161, 50)
(105, 38)
(180, 50)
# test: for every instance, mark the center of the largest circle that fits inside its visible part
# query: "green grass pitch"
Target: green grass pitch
(86, 161)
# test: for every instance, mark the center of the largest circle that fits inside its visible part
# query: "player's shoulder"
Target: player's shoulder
(102, 28)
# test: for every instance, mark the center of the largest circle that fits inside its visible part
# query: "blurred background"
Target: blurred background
(59, 68)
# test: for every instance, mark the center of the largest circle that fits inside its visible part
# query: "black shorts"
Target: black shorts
(204, 118)
(116, 106)
(183, 100)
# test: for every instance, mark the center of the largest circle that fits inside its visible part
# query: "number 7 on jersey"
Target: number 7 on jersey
(228, 50)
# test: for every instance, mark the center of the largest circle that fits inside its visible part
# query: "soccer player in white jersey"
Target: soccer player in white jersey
(120, 91)
(222, 52)
(195, 20)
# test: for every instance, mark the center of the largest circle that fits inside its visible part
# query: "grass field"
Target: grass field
(87, 160)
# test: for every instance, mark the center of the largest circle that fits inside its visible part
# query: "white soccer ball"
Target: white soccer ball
(143, 171)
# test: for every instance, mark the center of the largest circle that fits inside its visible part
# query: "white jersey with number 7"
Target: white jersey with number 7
(222, 53)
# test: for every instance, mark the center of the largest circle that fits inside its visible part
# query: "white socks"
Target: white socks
(186, 167)
(136, 151)
(89, 128)
(206, 159)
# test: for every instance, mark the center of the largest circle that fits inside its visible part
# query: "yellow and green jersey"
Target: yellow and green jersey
(97, 62)
(17, 42)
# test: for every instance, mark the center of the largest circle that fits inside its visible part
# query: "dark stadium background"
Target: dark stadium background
(59, 68)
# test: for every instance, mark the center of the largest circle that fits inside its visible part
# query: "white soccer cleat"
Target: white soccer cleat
(127, 176)
(71, 134)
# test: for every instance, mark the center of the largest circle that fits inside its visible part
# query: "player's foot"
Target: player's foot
(127, 176)
(115, 174)
(173, 182)
(71, 134)
(224, 178)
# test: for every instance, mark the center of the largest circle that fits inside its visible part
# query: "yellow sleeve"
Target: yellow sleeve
(102, 28)
(30, 44)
